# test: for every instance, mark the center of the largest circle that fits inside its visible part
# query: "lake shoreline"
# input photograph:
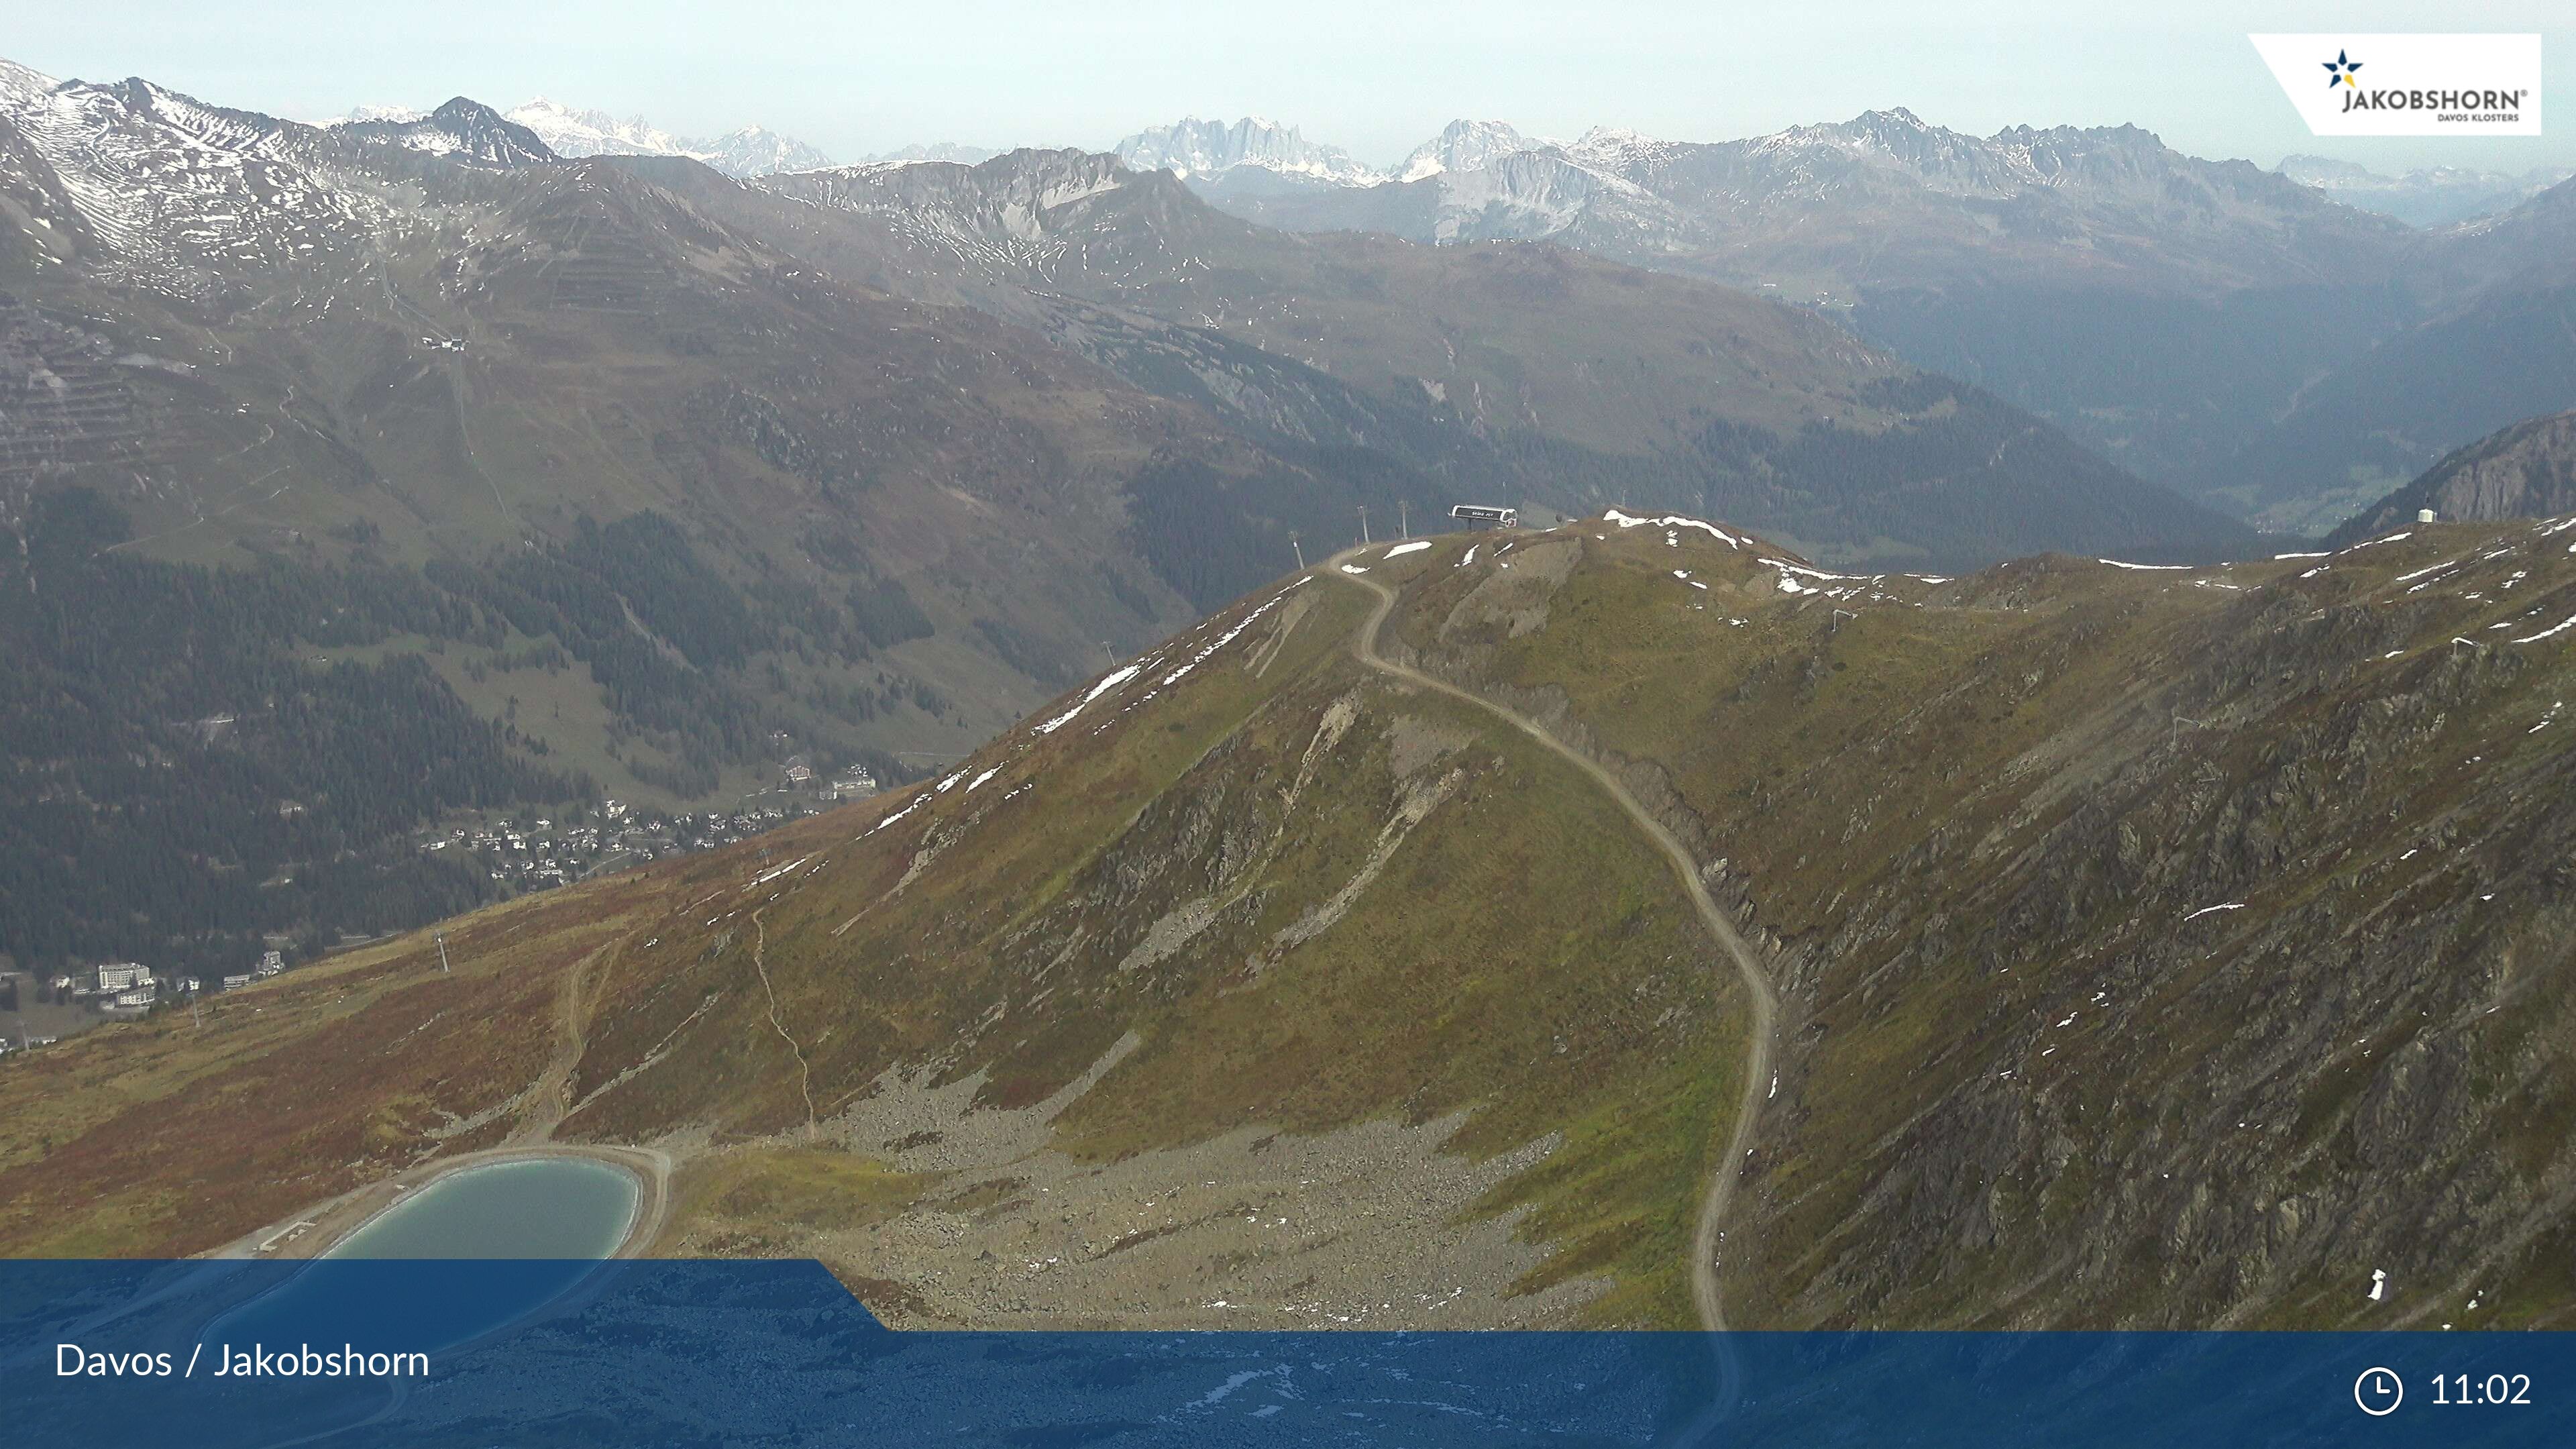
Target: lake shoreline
(319, 1229)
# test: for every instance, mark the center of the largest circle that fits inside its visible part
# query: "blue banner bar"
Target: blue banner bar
(101, 1355)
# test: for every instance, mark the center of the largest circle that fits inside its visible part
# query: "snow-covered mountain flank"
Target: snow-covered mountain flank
(573, 132)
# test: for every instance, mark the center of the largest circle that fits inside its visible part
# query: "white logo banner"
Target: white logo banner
(2409, 85)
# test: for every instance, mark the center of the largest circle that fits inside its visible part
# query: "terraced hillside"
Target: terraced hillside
(2150, 947)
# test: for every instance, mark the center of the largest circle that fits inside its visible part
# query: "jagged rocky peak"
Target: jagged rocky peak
(1465, 145)
(1039, 180)
(1015, 197)
(1193, 147)
(1943, 157)
(1617, 149)
(463, 129)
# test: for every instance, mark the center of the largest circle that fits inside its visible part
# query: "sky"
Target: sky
(1374, 76)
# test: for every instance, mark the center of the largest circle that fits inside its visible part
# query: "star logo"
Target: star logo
(2339, 71)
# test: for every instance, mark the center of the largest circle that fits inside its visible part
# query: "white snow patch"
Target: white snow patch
(1785, 565)
(917, 802)
(2145, 568)
(979, 781)
(1353, 569)
(2560, 628)
(2205, 910)
(1227, 637)
(1108, 682)
(1401, 549)
(782, 870)
(1674, 520)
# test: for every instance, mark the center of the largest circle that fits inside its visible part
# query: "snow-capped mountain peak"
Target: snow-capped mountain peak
(19, 84)
(2426, 197)
(574, 131)
(1464, 146)
(396, 114)
(463, 128)
(1616, 150)
(570, 132)
(1192, 147)
(948, 151)
(759, 151)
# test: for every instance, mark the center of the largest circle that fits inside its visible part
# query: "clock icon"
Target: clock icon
(2378, 1391)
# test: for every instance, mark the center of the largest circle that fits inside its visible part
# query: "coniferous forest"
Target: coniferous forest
(185, 775)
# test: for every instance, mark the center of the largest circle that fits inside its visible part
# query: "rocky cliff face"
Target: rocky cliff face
(1193, 148)
(2526, 471)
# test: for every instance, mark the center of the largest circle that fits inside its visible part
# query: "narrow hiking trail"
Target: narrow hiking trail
(760, 963)
(1766, 1003)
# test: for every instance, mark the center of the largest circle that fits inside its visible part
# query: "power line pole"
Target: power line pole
(1364, 538)
(1301, 552)
(1404, 518)
(441, 938)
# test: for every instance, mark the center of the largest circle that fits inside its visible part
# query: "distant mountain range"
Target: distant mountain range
(2429, 197)
(571, 132)
(1251, 146)
(1552, 377)
(621, 476)
(2159, 307)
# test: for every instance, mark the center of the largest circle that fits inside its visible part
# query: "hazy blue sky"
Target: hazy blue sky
(1377, 76)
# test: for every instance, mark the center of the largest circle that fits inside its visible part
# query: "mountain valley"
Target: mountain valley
(2158, 307)
(652, 485)
(1973, 802)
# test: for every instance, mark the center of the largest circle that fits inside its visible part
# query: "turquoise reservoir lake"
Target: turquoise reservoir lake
(538, 1207)
(554, 1218)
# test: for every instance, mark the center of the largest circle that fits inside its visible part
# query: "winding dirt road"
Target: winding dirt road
(1766, 1003)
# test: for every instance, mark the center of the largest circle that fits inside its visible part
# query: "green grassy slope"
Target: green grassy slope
(2160, 947)
(2155, 947)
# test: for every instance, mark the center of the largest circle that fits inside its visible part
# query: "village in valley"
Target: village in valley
(521, 855)
(543, 852)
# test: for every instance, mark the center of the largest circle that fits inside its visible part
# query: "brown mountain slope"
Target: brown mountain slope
(2154, 947)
